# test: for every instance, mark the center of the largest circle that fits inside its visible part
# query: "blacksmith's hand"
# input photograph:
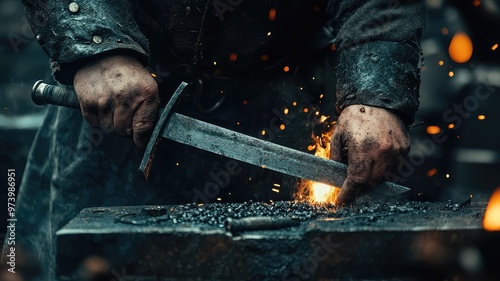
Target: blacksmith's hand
(117, 93)
(371, 141)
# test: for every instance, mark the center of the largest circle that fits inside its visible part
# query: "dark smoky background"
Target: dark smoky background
(455, 139)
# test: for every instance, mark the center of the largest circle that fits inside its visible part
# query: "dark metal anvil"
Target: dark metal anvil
(411, 241)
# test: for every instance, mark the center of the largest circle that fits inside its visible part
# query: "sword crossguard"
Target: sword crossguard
(154, 140)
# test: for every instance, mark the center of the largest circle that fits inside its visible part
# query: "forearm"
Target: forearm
(378, 42)
(72, 33)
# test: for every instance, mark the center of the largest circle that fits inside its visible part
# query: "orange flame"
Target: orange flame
(316, 192)
(491, 220)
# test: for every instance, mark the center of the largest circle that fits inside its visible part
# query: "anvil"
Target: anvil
(225, 142)
(388, 241)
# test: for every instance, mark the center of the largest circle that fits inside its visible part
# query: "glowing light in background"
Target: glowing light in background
(433, 130)
(491, 221)
(272, 14)
(481, 117)
(460, 49)
(432, 172)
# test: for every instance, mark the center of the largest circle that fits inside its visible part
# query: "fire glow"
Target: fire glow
(316, 192)
(491, 220)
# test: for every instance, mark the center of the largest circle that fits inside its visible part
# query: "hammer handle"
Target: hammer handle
(43, 93)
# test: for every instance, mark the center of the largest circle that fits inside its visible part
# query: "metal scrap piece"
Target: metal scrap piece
(257, 223)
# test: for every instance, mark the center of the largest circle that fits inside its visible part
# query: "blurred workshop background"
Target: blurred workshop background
(455, 140)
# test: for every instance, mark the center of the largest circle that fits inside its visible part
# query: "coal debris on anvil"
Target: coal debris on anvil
(236, 217)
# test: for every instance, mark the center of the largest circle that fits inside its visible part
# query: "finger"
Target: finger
(358, 175)
(385, 158)
(105, 116)
(379, 169)
(90, 117)
(122, 118)
(143, 122)
(337, 148)
(89, 112)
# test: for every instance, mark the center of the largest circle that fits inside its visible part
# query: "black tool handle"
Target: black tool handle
(42, 94)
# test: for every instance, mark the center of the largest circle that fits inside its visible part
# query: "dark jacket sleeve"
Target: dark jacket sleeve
(379, 53)
(85, 28)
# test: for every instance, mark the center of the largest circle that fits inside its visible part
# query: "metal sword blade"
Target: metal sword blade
(225, 142)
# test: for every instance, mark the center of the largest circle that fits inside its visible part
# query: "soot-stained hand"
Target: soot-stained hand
(118, 94)
(370, 140)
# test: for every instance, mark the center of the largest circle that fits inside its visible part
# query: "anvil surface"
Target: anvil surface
(411, 241)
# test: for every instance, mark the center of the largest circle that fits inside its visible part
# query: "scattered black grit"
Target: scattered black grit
(216, 214)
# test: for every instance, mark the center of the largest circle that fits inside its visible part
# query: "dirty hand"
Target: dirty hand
(117, 93)
(369, 140)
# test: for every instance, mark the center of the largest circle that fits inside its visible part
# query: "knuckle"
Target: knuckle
(87, 103)
(142, 127)
(121, 96)
(124, 101)
(386, 146)
(359, 179)
(104, 103)
(149, 92)
(359, 171)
